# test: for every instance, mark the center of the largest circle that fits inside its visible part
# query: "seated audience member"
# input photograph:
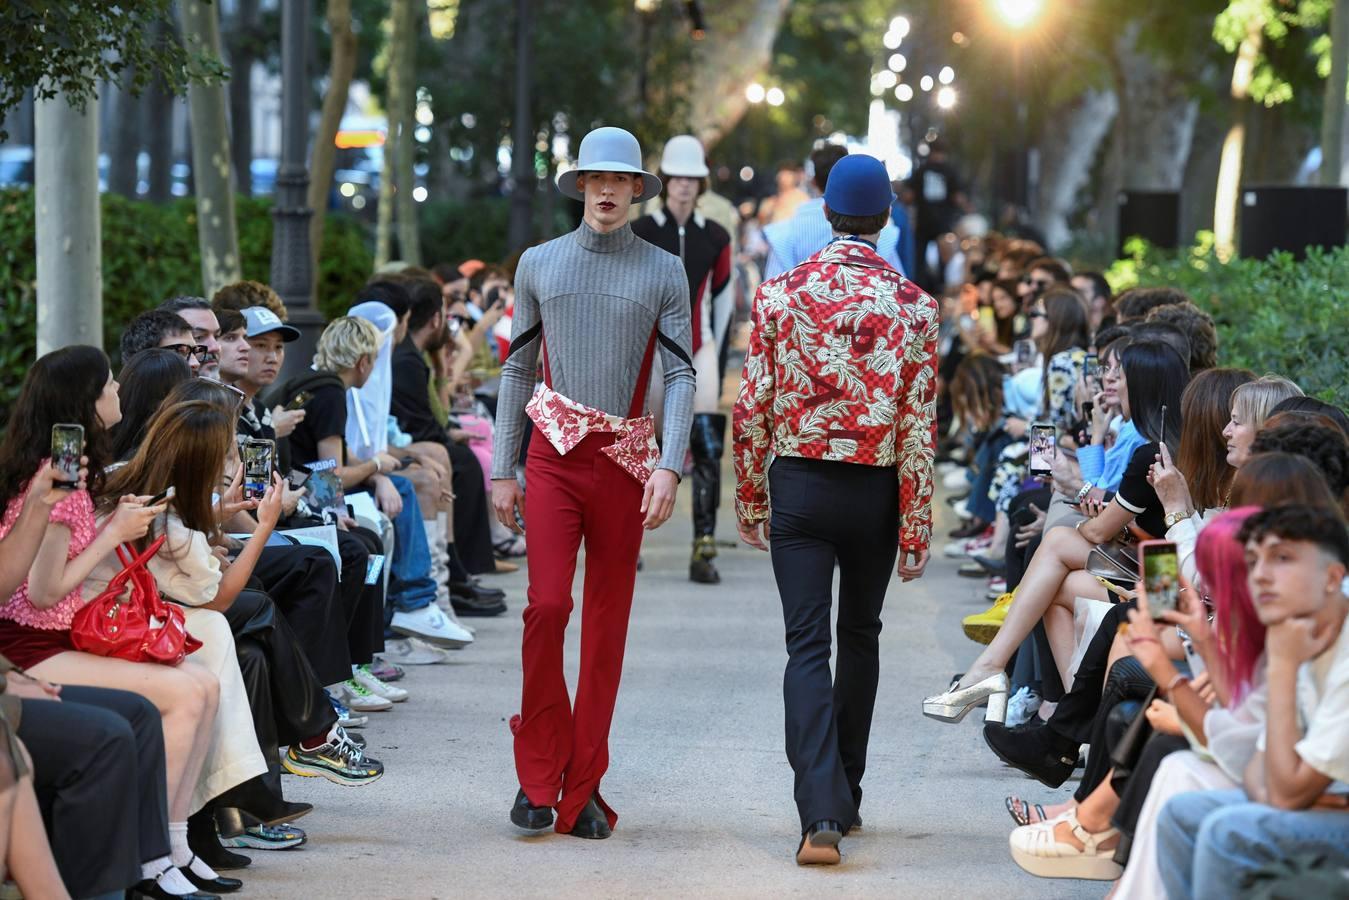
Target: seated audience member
(411, 406)
(162, 328)
(1293, 798)
(1134, 304)
(345, 358)
(1094, 289)
(196, 311)
(265, 337)
(1303, 404)
(145, 380)
(240, 295)
(75, 385)
(1196, 325)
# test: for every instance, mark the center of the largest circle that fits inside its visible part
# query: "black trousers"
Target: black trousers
(472, 529)
(1119, 702)
(302, 581)
(828, 514)
(365, 604)
(1077, 710)
(284, 695)
(98, 771)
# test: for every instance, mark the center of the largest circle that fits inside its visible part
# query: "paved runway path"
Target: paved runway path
(698, 772)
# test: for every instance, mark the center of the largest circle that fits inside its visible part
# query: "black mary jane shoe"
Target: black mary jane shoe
(591, 823)
(150, 890)
(217, 885)
(528, 817)
(819, 844)
(1035, 749)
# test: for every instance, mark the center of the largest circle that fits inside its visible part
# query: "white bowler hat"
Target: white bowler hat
(684, 158)
(608, 150)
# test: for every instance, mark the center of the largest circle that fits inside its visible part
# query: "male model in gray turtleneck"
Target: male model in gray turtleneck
(596, 304)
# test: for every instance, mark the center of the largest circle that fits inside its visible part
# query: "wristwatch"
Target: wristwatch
(1175, 518)
(1086, 489)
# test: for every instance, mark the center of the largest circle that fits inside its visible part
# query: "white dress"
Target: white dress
(188, 573)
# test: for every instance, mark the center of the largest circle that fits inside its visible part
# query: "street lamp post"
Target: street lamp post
(292, 269)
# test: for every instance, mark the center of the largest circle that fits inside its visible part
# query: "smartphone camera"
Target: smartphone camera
(1161, 575)
(67, 449)
(1042, 449)
(257, 458)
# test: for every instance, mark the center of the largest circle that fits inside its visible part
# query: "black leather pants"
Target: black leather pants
(1127, 685)
(708, 443)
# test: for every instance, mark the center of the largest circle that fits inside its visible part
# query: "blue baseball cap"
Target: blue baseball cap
(859, 186)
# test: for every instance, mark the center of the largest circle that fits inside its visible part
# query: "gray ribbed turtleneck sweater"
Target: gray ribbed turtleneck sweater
(594, 299)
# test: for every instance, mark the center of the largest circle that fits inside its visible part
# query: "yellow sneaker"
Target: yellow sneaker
(981, 627)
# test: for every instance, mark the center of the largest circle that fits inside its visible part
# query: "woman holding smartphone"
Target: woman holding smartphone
(75, 385)
(1152, 377)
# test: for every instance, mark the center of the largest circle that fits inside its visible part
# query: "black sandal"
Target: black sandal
(1019, 816)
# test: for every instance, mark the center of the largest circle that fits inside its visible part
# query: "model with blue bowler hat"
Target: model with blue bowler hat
(839, 391)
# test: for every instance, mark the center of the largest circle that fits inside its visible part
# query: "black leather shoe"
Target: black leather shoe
(475, 590)
(819, 844)
(530, 818)
(591, 823)
(216, 885)
(150, 890)
(467, 606)
(1038, 751)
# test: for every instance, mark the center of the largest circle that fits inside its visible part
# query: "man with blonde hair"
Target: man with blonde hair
(344, 359)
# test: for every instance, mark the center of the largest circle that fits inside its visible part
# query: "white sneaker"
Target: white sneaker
(448, 609)
(964, 547)
(432, 626)
(1024, 704)
(358, 697)
(413, 652)
(956, 479)
(364, 677)
(962, 509)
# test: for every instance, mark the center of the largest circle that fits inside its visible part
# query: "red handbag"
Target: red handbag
(131, 620)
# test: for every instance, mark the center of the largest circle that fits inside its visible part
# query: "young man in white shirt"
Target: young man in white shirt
(1296, 797)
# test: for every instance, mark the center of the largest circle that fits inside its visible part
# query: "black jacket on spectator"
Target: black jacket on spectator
(411, 395)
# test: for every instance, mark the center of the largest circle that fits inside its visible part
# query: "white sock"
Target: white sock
(155, 867)
(176, 883)
(201, 870)
(179, 852)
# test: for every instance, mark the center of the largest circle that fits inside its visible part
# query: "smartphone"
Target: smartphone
(1025, 354)
(987, 320)
(1192, 656)
(1162, 438)
(1043, 448)
(67, 448)
(298, 402)
(1160, 565)
(166, 494)
(258, 458)
(1091, 374)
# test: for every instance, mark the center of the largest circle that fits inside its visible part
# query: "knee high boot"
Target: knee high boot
(707, 443)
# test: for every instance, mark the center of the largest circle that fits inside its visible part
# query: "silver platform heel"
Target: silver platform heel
(953, 705)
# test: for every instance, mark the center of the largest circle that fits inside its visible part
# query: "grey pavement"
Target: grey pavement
(698, 773)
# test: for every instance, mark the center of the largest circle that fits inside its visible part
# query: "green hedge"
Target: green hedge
(1273, 315)
(149, 254)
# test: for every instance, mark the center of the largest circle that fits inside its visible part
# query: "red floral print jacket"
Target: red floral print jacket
(842, 365)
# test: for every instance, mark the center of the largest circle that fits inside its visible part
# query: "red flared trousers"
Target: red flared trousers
(561, 750)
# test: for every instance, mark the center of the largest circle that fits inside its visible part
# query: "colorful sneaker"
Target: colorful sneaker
(363, 676)
(339, 761)
(362, 699)
(345, 717)
(268, 837)
(386, 671)
(981, 627)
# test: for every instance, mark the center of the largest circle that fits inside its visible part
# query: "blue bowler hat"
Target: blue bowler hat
(858, 186)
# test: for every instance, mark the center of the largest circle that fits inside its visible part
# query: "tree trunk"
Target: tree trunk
(1157, 112)
(384, 217)
(69, 252)
(323, 158)
(242, 44)
(124, 139)
(1234, 145)
(1067, 164)
(404, 69)
(737, 49)
(1332, 110)
(217, 234)
(1198, 190)
(524, 183)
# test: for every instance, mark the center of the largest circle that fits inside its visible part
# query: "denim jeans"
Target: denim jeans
(410, 584)
(1208, 841)
(986, 462)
